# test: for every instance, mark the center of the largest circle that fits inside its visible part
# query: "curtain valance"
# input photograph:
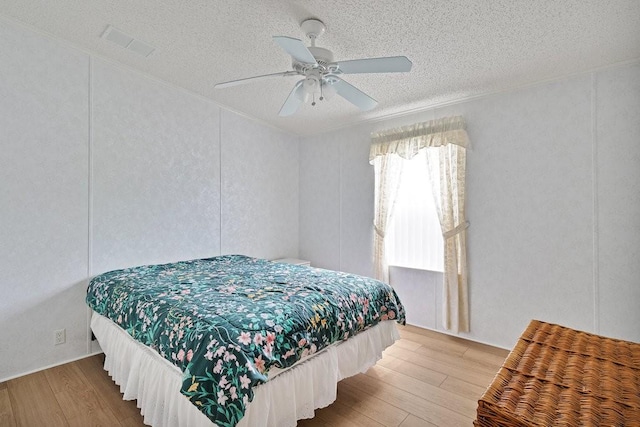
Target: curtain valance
(406, 141)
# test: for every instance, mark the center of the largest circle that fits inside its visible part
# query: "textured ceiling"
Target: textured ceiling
(459, 48)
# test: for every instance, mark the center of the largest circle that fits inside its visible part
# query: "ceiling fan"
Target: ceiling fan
(322, 76)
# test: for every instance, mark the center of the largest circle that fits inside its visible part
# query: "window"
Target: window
(414, 235)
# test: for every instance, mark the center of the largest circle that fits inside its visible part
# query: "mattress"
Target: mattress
(290, 395)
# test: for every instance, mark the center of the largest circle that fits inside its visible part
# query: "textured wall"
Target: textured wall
(155, 172)
(551, 196)
(530, 205)
(259, 189)
(103, 168)
(618, 200)
(320, 201)
(43, 200)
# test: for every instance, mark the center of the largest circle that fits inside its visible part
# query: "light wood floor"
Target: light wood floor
(424, 379)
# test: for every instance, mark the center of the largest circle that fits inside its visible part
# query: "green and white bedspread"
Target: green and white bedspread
(226, 321)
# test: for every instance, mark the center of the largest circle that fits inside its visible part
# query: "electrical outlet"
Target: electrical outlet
(60, 336)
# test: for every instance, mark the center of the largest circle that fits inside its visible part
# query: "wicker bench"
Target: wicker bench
(556, 376)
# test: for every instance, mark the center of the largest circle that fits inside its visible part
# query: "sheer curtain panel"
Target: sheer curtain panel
(446, 141)
(388, 171)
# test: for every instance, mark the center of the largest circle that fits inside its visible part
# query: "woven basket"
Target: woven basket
(556, 376)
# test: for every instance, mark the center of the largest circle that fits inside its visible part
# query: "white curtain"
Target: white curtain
(388, 171)
(446, 142)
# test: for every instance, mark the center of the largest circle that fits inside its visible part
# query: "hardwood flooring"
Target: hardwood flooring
(424, 379)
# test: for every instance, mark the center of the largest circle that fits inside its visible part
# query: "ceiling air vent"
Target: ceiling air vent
(126, 41)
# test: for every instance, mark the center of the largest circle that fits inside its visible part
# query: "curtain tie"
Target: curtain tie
(378, 231)
(456, 230)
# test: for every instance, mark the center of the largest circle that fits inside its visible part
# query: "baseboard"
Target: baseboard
(459, 336)
(84, 356)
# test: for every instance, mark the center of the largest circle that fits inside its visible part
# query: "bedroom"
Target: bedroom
(105, 166)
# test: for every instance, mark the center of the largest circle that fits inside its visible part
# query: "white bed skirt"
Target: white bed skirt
(293, 394)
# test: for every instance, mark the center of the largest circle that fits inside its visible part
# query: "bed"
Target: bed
(234, 340)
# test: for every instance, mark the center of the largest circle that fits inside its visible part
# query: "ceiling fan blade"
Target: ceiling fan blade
(293, 101)
(391, 64)
(251, 79)
(296, 49)
(353, 94)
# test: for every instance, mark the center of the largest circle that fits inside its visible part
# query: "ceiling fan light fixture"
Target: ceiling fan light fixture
(310, 89)
(301, 92)
(303, 95)
(328, 90)
(310, 84)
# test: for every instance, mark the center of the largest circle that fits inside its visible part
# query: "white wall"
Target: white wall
(43, 200)
(259, 190)
(103, 168)
(155, 184)
(551, 196)
(617, 201)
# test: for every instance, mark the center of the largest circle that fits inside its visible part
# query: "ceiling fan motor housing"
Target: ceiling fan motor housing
(323, 56)
(324, 62)
(314, 28)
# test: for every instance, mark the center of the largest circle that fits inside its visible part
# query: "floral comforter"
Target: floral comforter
(225, 321)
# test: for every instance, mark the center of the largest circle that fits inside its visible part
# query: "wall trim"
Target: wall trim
(89, 190)
(340, 219)
(596, 207)
(220, 180)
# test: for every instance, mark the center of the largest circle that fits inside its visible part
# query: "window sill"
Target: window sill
(415, 268)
